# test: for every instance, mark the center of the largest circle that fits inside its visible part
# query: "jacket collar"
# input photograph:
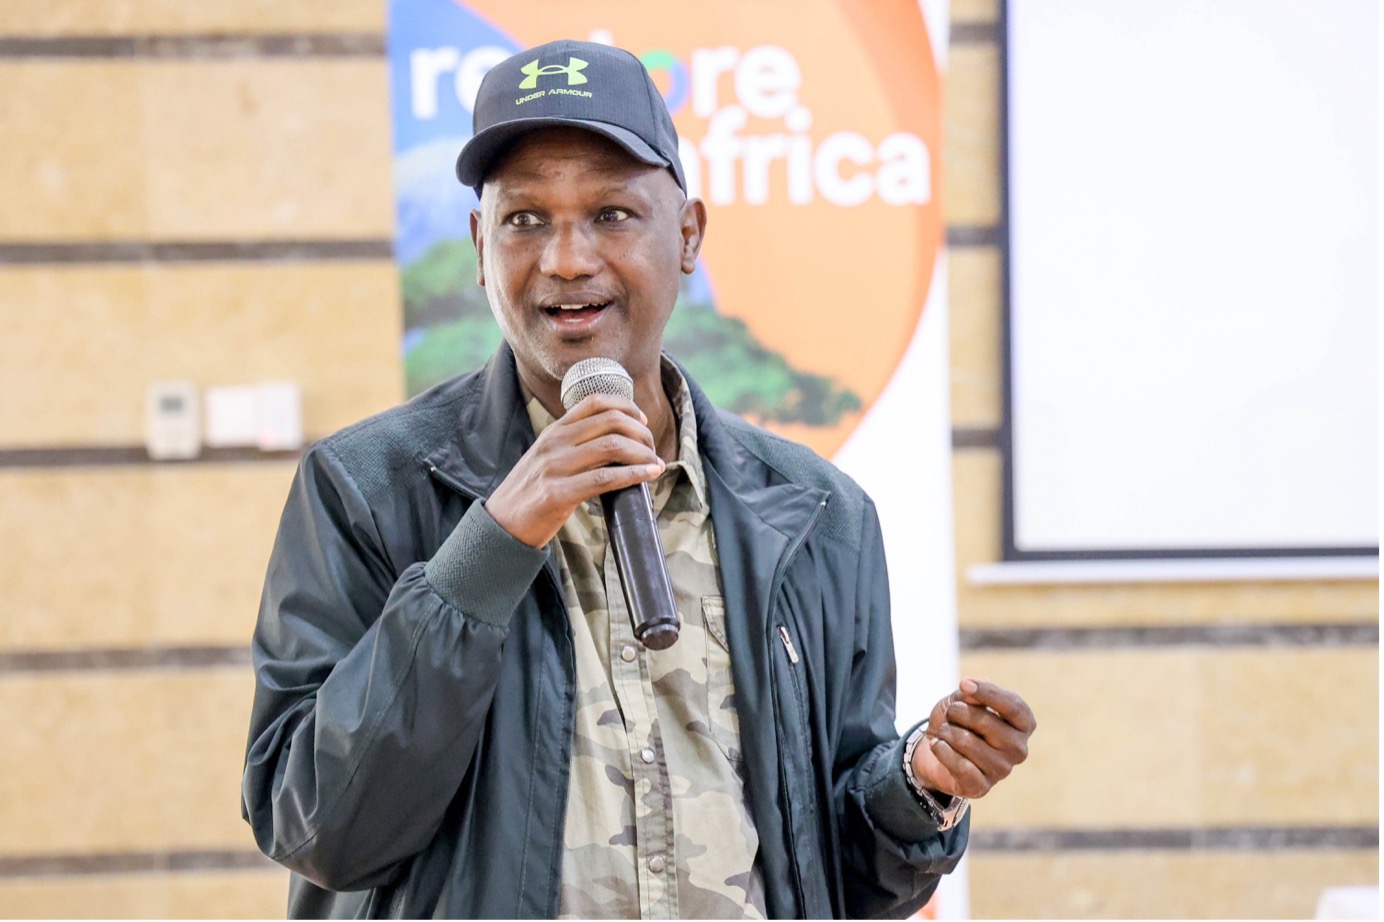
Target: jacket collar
(747, 480)
(493, 429)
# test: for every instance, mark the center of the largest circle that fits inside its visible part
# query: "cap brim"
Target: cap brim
(474, 160)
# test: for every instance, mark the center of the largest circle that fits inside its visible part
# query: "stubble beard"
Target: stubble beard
(539, 353)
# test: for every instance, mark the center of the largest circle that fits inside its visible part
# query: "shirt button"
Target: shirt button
(627, 653)
(657, 864)
(646, 754)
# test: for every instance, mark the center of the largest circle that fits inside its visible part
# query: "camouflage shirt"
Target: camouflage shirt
(657, 822)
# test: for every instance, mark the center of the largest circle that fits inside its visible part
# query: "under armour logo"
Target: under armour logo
(573, 70)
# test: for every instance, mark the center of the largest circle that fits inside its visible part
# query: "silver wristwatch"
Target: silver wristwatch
(946, 813)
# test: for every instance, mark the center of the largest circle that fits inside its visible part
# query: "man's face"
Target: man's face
(580, 247)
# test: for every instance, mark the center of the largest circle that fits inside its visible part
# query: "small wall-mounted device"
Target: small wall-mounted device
(279, 416)
(172, 421)
(230, 413)
(267, 416)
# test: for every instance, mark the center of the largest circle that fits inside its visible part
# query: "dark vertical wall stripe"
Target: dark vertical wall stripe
(1006, 428)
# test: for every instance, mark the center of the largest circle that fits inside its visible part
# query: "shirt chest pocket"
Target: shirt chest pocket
(720, 686)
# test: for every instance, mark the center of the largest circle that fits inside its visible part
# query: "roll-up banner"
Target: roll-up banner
(812, 131)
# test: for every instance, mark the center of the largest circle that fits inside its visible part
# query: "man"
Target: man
(452, 714)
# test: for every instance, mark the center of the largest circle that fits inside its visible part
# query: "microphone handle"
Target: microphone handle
(629, 518)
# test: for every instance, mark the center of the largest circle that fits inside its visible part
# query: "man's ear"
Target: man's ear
(478, 239)
(693, 227)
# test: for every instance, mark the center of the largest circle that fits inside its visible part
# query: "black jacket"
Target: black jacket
(410, 740)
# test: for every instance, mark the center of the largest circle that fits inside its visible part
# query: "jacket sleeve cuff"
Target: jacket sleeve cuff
(890, 800)
(482, 570)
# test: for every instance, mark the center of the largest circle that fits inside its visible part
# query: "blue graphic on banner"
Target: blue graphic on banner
(438, 51)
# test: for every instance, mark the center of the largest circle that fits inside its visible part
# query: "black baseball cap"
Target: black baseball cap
(582, 84)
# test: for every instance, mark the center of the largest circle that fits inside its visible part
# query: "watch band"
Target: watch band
(946, 815)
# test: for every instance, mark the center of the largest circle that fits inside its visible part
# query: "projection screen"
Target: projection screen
(1192, 298)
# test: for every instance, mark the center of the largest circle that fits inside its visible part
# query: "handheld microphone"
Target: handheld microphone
(629, 518)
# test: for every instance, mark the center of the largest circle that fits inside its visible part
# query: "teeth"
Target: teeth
(575, 307)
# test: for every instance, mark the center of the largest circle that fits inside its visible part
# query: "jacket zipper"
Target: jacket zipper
(777, 583)
(793, 550)
(788, 645)
(774, 586)
(450, 481)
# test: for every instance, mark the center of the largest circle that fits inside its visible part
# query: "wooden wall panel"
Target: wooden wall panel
(195, 149)
(974, 292)
(1290, 734)
(269, 148)
(124, 761)
(971, 157)
(1190, 738)
(73, 161)
(975, 10)
(976, 497)
(136, 556)
(121, 17)
(1162, 885)
(82, 344)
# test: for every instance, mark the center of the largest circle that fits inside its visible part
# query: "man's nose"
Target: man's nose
(570, 253)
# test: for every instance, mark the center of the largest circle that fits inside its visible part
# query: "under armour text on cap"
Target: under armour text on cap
(582, 84)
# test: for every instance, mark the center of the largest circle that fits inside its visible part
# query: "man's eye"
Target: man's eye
(523, 219)
(610, 215)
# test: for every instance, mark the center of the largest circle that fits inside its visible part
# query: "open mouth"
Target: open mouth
(575, 311)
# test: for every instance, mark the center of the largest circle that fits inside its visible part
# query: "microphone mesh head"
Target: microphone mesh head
(595, 376)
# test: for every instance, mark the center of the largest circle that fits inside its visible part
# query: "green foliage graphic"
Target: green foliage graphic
(450, 330)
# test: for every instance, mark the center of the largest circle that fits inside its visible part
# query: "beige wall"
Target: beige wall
(127, 590)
